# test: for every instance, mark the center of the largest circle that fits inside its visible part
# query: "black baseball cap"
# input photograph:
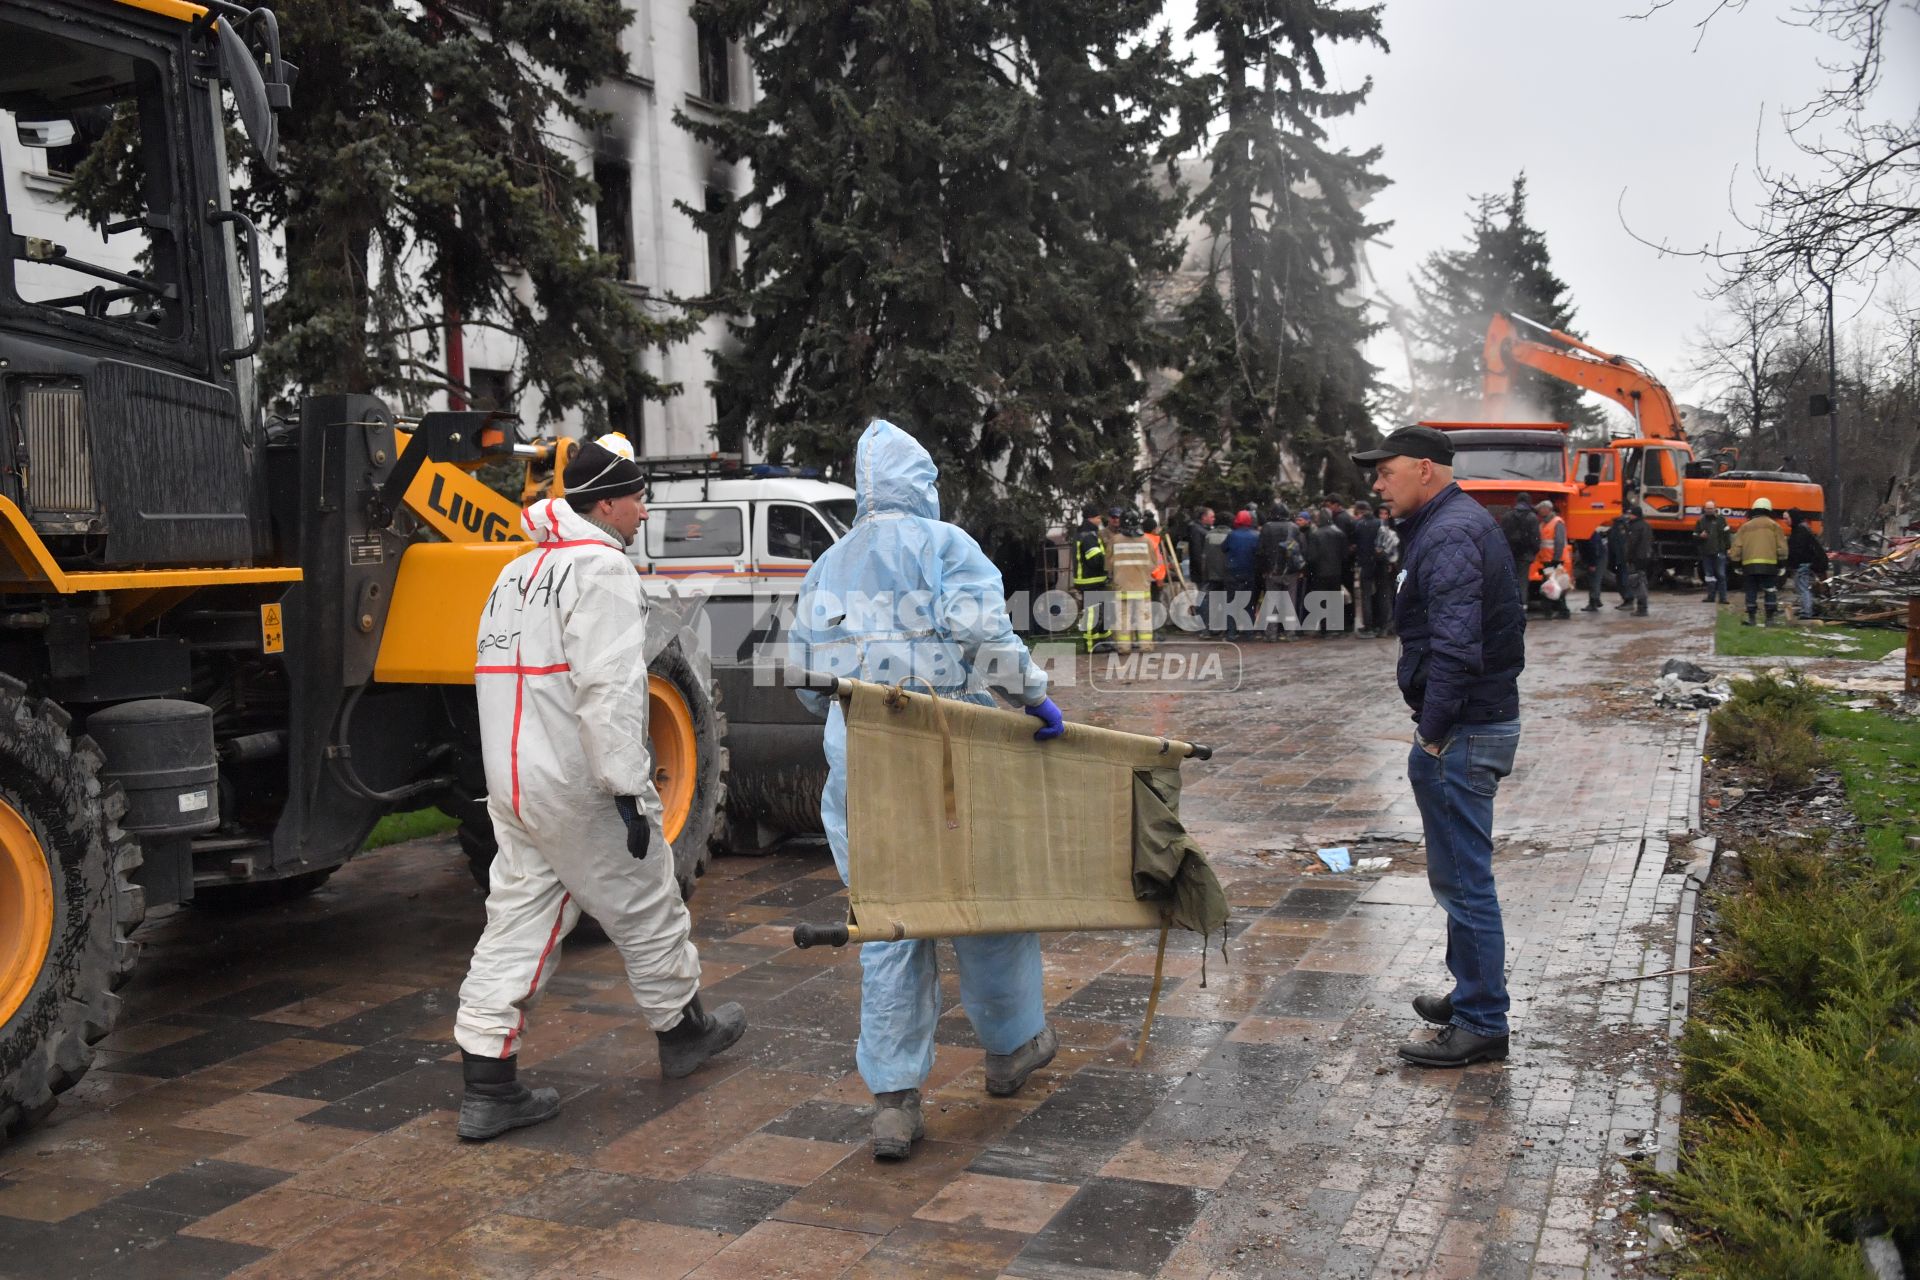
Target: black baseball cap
(1410, 442)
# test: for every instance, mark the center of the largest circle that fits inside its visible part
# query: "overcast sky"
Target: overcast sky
(1606, 116)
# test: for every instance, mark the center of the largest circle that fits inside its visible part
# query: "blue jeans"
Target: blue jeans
(1713, 571)
(1803, 583)
(1455, 793)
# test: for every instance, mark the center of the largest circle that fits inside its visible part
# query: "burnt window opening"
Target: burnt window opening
(628, 416)
(613, 214)
(720, 261)
(715, 55)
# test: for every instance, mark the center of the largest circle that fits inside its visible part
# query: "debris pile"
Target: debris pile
(1875, 594)
(1687, 687)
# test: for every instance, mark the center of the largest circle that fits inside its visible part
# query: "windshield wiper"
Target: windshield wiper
(36, 249)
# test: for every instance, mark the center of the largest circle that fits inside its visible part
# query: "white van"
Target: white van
(742, 537)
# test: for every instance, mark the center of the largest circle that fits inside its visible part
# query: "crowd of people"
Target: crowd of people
(1324, 569)
(1328, 568)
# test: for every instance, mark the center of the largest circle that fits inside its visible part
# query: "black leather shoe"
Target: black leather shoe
(1454, 1047)
(1435, 1009)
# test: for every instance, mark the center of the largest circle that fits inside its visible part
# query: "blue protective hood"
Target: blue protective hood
(893, 472)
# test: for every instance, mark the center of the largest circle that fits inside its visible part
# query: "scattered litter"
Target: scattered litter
(1687, 671)
(1882, 1257)
(1885, 676)
(1373, 864)
(1337, 859)
(1674, 690)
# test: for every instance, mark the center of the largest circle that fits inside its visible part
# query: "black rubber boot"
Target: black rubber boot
(698, 1036)
(495, 1100)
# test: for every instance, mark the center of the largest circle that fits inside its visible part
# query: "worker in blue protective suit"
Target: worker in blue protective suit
(906, 595)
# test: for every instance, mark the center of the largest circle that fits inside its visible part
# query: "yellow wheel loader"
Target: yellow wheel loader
(227, 649)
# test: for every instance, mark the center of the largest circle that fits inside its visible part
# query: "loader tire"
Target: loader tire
(686, 731)
(67, 904)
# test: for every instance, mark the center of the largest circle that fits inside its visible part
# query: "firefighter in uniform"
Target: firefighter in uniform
(1090, 577)
(1133, 565)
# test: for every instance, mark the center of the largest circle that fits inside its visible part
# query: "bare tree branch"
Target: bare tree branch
(1855, 212)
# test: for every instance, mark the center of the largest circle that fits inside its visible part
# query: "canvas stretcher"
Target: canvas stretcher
(960, 823)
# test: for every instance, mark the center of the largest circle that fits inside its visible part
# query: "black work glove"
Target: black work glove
(639, 831)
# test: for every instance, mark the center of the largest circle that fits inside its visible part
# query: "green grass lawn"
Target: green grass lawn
(396, 827)
(1792, 640)
(1879, 758)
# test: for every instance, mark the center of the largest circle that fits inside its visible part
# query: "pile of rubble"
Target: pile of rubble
(1875, 594)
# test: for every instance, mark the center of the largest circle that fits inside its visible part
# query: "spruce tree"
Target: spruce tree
(951, 218)
(1504, 266)
(421, 174)
(1286, 207)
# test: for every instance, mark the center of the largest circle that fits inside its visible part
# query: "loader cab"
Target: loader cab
(126, 335)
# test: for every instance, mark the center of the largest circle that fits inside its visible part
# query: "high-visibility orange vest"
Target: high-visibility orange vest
(1544, 556)
(1159, 557)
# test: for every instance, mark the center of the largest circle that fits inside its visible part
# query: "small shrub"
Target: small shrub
(1769, 723)
(1785, 942)
(1800, 1066)
(1770, 691)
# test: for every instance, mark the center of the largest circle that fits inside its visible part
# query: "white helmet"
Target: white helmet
(616, 442)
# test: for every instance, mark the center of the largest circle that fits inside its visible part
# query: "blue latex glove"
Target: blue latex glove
(639, 833)
(1051, 725)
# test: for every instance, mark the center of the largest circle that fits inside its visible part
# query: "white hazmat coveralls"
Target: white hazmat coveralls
(561, 678)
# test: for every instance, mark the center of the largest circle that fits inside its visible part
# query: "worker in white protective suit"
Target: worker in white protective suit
(906, 595)
(561, 676)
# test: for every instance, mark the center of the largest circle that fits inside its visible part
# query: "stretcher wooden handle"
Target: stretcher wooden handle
(841, 687)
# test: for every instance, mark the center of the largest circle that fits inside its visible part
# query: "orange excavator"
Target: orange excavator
(1655, 466)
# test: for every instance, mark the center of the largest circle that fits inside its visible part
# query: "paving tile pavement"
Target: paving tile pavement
(278, 1099)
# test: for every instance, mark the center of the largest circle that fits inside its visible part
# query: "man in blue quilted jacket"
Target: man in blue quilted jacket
(1462, 630)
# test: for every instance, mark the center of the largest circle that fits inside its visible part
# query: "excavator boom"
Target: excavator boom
(1567, 358)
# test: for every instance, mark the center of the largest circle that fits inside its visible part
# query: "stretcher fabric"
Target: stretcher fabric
(1043, 836)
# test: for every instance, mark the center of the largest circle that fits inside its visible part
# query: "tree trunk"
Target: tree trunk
(1240, 228)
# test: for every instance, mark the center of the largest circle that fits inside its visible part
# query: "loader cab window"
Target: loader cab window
(92, 196)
